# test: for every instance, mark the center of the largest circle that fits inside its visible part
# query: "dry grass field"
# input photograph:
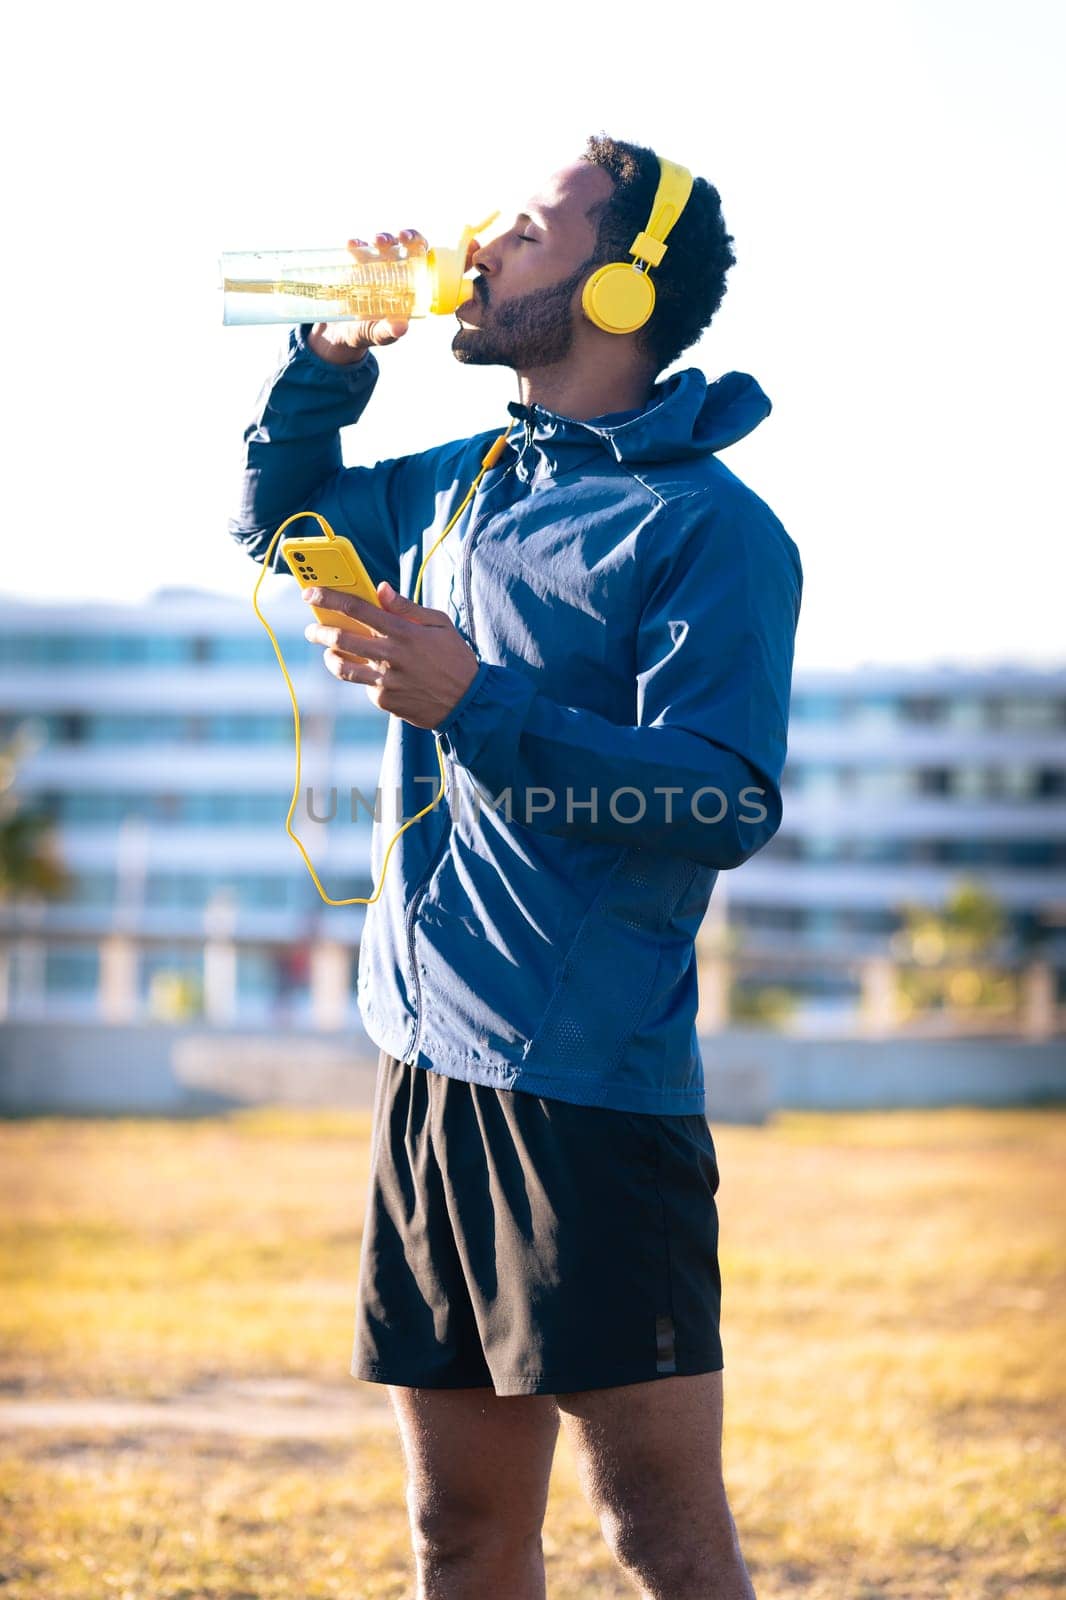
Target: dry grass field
(177, 1421)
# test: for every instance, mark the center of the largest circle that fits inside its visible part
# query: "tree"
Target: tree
(953, 950)
(29, 858)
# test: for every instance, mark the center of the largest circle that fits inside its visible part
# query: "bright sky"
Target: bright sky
(889, 172)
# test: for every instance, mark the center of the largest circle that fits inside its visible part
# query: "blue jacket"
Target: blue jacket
(633, 608)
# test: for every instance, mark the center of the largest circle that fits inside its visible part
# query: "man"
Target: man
(604, 657)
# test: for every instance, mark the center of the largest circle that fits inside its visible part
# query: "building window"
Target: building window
(969, 783)
(882, 783)
(1032, 713)
(966, 713)
(933, 780)
(71, 969)
(880, 711)
(817, 708)
(818, 781)
(923, 709)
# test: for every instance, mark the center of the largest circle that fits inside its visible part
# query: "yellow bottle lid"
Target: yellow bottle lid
(450, 287)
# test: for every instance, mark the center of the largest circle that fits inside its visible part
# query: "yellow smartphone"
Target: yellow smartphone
(331, 564)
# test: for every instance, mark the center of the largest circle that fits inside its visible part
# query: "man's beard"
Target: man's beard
(536, 330)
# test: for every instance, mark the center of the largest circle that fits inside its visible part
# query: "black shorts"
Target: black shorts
(530, 1245)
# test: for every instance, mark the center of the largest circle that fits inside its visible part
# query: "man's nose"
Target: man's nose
(483, 259)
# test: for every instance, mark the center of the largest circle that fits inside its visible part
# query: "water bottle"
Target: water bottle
(332, 286)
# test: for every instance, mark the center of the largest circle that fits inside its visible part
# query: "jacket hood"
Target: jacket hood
(686, 416)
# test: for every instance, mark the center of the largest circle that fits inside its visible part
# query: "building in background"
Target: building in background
(902, 786)
(160, 740)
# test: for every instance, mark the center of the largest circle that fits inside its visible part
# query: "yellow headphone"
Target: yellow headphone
(620, 297)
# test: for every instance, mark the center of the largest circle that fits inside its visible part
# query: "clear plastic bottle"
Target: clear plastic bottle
(331, 286)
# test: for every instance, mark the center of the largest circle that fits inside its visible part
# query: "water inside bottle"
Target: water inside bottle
(322, 286)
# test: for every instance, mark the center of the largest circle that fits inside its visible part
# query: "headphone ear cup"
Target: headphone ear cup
(618, 298)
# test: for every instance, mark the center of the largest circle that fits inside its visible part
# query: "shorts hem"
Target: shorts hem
(542, 1383)
(577, 1383)
(378, 1372)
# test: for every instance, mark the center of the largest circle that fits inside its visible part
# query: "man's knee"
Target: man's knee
(691, 1571)
(668, 1553)
(449, 1529)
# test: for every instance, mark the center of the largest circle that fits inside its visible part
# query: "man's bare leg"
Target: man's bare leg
(650, 1460)
(478, 1470)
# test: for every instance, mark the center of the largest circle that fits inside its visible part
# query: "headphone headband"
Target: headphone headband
(671, 197)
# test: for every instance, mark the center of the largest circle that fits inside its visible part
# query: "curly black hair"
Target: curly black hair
(690, 284)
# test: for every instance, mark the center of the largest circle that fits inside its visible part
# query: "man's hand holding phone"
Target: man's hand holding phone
(417, 664)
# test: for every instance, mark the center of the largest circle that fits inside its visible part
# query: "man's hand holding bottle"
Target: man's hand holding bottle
(345, 344)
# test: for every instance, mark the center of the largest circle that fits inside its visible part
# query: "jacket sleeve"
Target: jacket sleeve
(699, 774)
(293, 462)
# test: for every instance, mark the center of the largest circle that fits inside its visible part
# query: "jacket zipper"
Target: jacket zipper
(471, 539)
(416, 900)
(419, 894)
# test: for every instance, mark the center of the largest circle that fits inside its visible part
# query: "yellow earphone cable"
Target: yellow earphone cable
(490, 460)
